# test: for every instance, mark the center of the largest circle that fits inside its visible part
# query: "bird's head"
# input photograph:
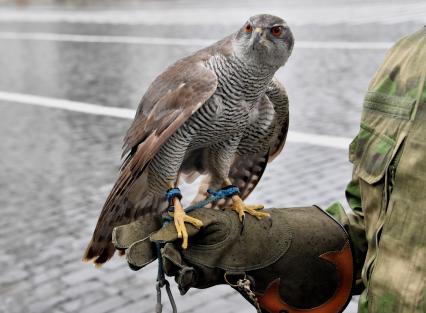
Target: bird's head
(264, 40)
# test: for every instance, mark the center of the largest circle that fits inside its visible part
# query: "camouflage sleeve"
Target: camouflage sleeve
(353, 222)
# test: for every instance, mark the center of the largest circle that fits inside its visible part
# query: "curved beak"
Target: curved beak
(259, 38)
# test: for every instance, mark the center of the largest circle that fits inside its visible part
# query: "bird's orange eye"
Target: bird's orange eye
(248, 28)
(276, 31)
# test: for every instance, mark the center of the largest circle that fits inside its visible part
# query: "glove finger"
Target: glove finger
(173, 265)
(141, 253)
(172, 259)
(185, 279)
(124, 236)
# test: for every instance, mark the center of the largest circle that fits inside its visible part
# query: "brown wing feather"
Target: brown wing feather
(152, 112)
(170, 100)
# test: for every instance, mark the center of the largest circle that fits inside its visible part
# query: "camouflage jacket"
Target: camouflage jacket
(387, 193)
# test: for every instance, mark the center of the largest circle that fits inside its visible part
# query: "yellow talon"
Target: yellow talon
(180, 217)
(240, 207)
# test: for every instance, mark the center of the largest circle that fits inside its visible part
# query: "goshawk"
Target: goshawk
(219, 113)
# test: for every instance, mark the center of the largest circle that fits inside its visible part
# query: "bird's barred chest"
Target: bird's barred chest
(227, 113)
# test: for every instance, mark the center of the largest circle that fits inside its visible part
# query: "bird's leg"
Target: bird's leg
(240, 207)
(180, 217)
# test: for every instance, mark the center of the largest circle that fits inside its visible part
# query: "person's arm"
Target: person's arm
(354, 224)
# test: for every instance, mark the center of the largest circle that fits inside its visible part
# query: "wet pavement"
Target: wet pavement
(57, 166)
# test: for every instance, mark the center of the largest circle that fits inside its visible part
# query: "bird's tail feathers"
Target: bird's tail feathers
(120, 211)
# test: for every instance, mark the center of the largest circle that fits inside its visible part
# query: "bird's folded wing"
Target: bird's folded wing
(278, 96)
(247, 169)
(171, 99)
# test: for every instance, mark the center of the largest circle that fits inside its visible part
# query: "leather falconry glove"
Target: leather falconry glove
(298, 261)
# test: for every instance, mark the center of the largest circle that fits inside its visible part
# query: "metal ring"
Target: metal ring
(232, 285)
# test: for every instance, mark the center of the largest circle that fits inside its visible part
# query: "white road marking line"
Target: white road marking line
(319, 140)
(88, 108)
(68, 105)
(106, 39)
(350, 45)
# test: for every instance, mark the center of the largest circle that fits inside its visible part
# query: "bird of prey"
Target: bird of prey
(219, 113)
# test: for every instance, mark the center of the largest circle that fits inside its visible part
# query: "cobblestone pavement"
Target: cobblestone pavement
(56, 166)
